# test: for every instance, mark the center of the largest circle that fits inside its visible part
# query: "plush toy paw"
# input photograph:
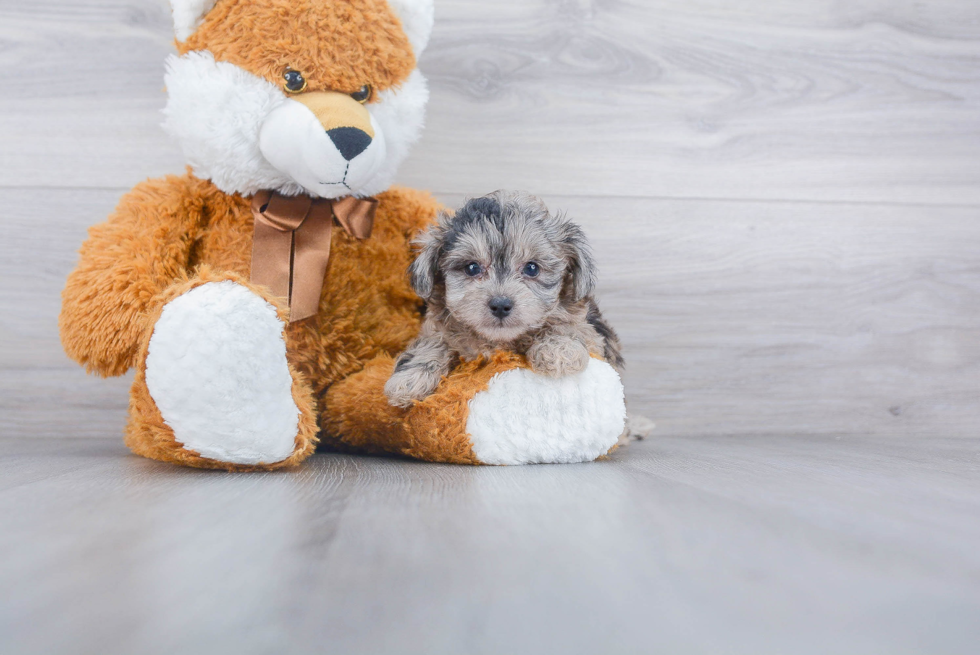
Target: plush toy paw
(216, 369)
(558, 356)
(526, 418)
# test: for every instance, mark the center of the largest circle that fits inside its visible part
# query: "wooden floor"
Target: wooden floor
(785, 203)
(675, 545)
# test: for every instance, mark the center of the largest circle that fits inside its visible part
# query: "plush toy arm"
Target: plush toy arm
(484, 412)
(126, 261)
(359, 415)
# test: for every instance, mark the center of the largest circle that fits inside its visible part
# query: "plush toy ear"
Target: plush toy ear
(188, 16)
(417, 17)
(582, 272)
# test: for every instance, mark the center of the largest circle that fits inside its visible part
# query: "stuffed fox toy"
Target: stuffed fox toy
(261, 296)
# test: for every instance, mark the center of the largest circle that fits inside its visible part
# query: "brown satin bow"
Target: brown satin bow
(291, 246)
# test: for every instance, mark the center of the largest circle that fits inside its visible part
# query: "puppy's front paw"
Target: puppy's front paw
(558, 356)
(406, 387)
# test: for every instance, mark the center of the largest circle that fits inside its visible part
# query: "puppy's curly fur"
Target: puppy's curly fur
(503, 273)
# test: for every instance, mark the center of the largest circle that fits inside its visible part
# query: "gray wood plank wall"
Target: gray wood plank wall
(784, 197)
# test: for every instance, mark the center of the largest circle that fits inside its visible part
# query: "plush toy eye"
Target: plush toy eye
(531, 269)
(363, 94)
(295, 82)
(473, 269)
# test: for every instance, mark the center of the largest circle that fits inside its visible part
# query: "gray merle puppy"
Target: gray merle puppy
(502, 273)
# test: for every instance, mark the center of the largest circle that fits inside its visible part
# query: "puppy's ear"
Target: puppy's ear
(425, 269)
(581, 272)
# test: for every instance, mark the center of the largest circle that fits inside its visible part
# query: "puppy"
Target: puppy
(502, 273)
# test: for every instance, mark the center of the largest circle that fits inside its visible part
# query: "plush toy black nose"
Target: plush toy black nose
(350, 141)
(500, 306)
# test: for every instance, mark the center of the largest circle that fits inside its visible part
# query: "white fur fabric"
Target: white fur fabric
(216, 111)
(188, 16)
(216, 369)
(417, 17)
(525, 418)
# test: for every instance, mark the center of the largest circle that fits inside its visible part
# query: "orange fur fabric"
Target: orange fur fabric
(338, 46)
(170, 235)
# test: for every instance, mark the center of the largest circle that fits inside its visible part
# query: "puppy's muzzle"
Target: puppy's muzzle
(501, 306)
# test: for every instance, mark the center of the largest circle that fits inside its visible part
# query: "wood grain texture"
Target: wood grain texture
(821, 100)
(694, 545)
(872, 100)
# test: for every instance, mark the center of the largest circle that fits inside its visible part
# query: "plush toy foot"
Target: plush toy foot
(527, 418)
(490, 412)
(214, 389)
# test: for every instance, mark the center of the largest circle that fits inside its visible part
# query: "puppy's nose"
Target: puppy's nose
(501, 306)
(350, 141)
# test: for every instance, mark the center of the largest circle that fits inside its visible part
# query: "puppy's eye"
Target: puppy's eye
(295, 82)
(473, 269)
(531, 269)
(363, 94)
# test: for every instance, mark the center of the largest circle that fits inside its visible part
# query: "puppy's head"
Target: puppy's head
(503, 264)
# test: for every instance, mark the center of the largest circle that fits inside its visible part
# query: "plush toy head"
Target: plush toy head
(320, 97)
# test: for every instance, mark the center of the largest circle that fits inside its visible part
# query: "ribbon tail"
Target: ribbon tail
(312, 254)
(272, 254)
